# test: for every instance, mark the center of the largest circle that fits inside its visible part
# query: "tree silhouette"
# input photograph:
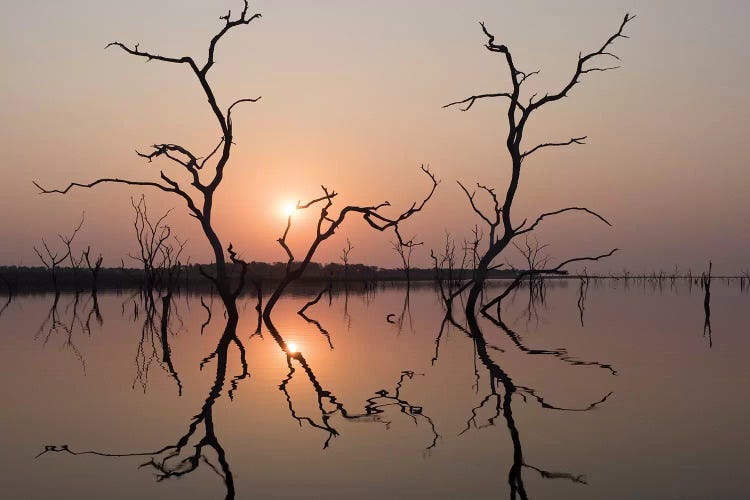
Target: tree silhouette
(200, 200)
(53, 258)
(327, 225)
(518, 115)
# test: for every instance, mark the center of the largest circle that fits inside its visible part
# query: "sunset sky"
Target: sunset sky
(351, 98)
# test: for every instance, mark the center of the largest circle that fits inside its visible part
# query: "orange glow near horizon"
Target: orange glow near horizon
(363, 122)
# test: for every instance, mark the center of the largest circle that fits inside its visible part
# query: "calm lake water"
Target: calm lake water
(635, 401)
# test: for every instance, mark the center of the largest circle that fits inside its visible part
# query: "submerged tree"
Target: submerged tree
(53, 258)
(327, 225)
(94, 268)
(404, 249)
(518, 114)
(345, 258)
(199, 198)
(159, 251)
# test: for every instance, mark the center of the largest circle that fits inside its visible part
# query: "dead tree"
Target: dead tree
(450, 284)
(75, 264)
(152, 237)
(494, 220)
(535, 260)
(404, 249)
(471, 250)
(203, 181)
(518, 114)
(159, 251)
(327, 225)
(93, 268)
(345, 258)
(52, 259)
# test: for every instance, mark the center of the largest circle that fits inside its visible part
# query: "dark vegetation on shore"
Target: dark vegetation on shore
(20, 278)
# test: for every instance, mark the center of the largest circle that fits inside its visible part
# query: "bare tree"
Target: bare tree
(200, 200)
(159, 250)
(75, 264)
(93, 268)
(518, 114)
(532, 252)
(327, 225)
(52, 259)
(451, 282)
(345, 258)
(404, 249)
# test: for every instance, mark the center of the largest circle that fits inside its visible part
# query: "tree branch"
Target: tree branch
(149, 56)
(535, 272)
(582, 60)
(574, 140)
(472, 99)
(243, 19)
(539, 219)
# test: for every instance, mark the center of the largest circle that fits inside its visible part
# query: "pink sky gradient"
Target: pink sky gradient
(352, 95)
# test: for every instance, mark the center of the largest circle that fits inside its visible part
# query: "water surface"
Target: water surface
(631, 399)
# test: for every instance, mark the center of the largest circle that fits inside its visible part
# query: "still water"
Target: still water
(629, 399)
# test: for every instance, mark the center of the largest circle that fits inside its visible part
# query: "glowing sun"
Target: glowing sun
(291, 347)
(288, 209)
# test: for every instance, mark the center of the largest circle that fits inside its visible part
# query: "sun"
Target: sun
(288, 209)
(291, 347)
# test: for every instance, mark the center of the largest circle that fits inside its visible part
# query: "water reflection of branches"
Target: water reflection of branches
(315, 322)
(9, 289)
(451, 282)
(561, 354)
(53, 325)
(153, 335)
(706, 284)
(208, 311)
(383, 399)
(373, 410)
(535, 297)
(502, 406)
(169, 461)
(582, 293)
(6, 304)
(406, 312)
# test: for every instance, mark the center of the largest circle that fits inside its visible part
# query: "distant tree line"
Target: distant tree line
(31, 279)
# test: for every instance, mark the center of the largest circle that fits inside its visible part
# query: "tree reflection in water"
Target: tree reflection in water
(503, 402)
(200, 444)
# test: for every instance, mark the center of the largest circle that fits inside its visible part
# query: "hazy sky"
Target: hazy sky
(352, 95)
